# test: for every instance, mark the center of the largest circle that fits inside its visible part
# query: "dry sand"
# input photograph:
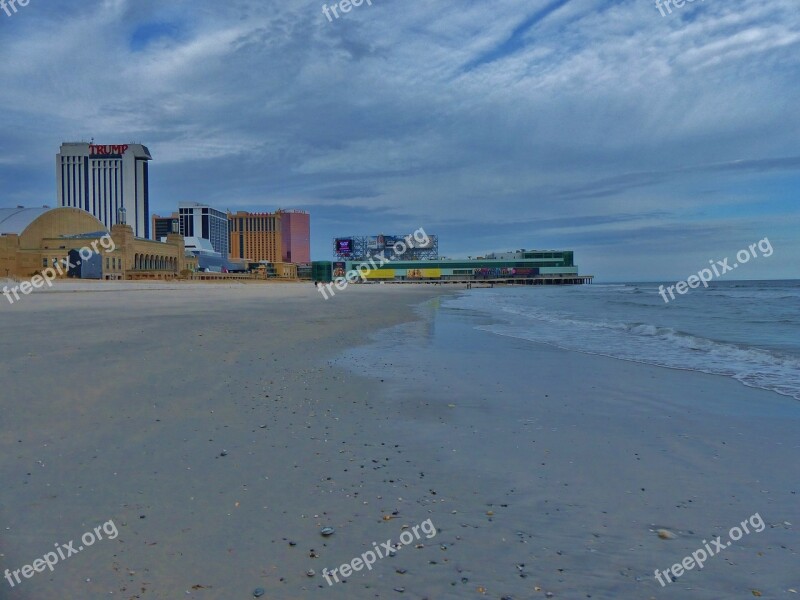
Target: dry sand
(548, 476)
(117, 405)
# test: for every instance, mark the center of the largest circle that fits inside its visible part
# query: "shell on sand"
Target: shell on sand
(666, 534)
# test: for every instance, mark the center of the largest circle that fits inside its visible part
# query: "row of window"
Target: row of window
(252, 225)
(543, 255)
(105, 193)
(204, 211)
(150, 262)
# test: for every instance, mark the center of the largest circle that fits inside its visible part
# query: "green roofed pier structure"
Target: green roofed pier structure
(523, 267)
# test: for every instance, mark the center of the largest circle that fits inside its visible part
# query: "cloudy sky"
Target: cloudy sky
(649, 144)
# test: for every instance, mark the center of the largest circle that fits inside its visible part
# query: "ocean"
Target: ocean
(747, 330)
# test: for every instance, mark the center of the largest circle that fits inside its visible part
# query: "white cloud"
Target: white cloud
(595, 109)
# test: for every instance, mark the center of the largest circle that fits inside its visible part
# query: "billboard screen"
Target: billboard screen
(339, 269)
(344, 246)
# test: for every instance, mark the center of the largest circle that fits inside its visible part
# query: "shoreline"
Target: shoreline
(583, 486)
(652, 364)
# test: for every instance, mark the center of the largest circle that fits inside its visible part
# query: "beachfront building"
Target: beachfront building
(295, 236)
(102, 179)
(211, 261)
(534, 267)
(208, 259)
(256, 237)
(35, 239)
(206, 231)
(161, 227)
(204, 222)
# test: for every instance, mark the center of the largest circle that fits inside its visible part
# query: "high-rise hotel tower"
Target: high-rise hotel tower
(104, 179)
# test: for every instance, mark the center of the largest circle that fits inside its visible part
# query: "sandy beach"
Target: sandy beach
(221, 427)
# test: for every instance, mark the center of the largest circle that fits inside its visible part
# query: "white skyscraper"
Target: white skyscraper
(202, 221)
(102, 179)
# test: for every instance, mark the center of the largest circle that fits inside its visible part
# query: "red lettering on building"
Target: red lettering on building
(98, 150)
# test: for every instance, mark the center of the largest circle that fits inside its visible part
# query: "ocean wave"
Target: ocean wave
(751, 366)
(640, 341)
(752, 295)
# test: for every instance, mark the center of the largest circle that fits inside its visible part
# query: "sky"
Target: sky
(649, 144)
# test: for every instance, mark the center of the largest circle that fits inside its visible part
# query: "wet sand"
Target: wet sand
(562, 467)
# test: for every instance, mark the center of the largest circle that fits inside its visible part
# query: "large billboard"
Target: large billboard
(392, 247)
(388, 242)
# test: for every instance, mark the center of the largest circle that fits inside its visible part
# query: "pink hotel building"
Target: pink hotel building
(295, 236)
